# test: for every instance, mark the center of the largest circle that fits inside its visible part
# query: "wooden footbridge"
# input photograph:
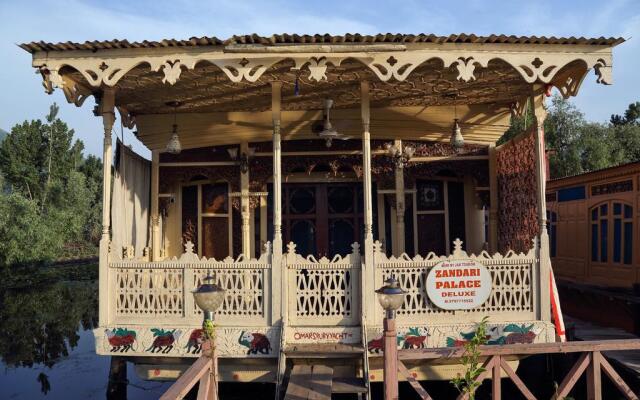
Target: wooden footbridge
(310, 374)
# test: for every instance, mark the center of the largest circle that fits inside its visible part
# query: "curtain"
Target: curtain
(130, 200)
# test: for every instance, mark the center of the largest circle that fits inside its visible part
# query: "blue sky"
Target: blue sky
(59, 20)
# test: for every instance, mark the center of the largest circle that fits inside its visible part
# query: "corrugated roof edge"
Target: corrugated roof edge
(630, 164)
(286, 38)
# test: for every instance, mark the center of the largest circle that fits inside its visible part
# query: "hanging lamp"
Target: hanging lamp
(174, 146)
(457, 140)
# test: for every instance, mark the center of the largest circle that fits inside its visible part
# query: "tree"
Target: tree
(631, 116)
(563, 131)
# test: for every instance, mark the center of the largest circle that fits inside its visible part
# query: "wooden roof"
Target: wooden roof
(286, 38)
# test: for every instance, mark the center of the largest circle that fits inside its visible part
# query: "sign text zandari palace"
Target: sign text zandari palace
(459, 284)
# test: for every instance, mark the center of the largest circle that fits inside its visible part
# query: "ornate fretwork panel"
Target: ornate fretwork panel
(517, 193)
(244, 288)
(162, 289)
(323, 292)
(512, 293)
(148, 292)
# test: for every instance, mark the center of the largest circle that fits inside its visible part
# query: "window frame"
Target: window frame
(229, 214)
(610, 218)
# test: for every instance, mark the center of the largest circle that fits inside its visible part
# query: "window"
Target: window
(552, 226)
(206, 218)
(612, 233)
(439, 215)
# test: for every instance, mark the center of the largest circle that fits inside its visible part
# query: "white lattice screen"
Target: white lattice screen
(511, 296)
(323, 292)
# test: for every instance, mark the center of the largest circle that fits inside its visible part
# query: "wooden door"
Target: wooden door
(322, 219)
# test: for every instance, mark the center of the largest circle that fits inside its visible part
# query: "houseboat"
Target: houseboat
(301, 171)
(594, 239)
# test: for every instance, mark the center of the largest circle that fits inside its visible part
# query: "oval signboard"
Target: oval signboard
(458, 284)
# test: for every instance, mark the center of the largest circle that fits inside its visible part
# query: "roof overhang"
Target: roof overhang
(214, 77)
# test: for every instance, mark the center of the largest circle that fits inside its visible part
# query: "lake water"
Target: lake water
(47, 348)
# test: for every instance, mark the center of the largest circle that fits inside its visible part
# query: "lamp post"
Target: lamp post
(391, 297)
(209, 296)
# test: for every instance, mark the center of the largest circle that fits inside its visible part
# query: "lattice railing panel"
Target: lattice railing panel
(142, 291)
(512, 293)
(244, 288)
(162, 289)
(323, 292)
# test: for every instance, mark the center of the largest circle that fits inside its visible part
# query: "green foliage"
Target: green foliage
(52, 195)
(467, 384)
(575, 145)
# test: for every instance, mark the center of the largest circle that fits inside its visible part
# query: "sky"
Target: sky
(23, 97)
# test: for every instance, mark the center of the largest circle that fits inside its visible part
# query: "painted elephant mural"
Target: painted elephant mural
(255, 342)
(120, 339)
(164, 340)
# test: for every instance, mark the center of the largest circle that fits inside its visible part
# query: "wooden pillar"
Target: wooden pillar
(493, 199)
(155, 214)
(398, 244)
(369, 308)
(540, 113)
(244, 205)
(278, 275)
(390, 370)
(107, 104)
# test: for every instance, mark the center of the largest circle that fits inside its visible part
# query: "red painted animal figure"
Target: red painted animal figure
(414, 339)
(164, 340)
(377, 345)
(194, 345)
(256, 342)
(520, 334)
(120, 339)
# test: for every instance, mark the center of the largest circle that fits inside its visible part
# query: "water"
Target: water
(47, 349)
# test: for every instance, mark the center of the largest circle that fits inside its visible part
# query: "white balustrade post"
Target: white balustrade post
(540, 114)
(107, 104)
(278, 306)
(155, 215)
(366, 178)
(244, 205)
(399, 245)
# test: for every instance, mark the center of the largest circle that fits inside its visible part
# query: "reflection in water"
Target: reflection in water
(47, 347)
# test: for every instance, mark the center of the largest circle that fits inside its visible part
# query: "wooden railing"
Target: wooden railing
(203, 372)
(591, 360)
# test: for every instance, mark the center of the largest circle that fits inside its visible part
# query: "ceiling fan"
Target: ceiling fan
(325, 129)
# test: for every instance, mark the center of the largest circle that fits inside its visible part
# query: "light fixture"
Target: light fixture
(391, 296)
(174, 146)
(208, 296)
(400, 154)
(244, 157)
(457, 140)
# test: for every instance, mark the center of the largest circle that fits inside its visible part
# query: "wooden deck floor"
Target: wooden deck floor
(583, 330)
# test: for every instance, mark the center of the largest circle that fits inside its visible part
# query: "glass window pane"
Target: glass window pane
(303, 233)
(430, 195)
(341, 236)
(340, 199)
(190, 216)
(215, 237)
(628, 242)
(553, 239)
(594, 214)
(604, 210)
(431, 234)
(594, 242)
(617, 239)
(302, 200)
(604, 231)
(554, 217)
(628, 211)
(617, 208)
(215, 198)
